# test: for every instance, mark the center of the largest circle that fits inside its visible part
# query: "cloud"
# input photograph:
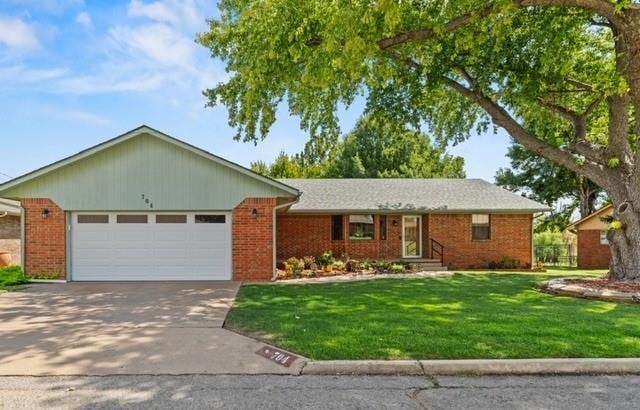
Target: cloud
(15, 33)
(186, 13)
(104, 82)
(22, 74)
(157, 42)
(84, 19)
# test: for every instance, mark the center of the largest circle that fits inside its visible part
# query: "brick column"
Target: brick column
(253, 239)
(45, 238)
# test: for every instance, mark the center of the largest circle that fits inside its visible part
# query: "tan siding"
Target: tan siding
(172, 177)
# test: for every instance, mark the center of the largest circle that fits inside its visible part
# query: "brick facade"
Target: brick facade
(253, 239)
(45, 247)
(591, 253)
(301, 235)
(310, 235)
(10, 237)
(510, 236)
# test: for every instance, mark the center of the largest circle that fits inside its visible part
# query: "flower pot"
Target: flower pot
(5, 259)
(328, 268)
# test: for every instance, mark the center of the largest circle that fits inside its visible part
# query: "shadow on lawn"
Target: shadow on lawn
(493, 315)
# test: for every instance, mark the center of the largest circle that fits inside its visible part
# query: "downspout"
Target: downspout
(275, 247)
(23, 236)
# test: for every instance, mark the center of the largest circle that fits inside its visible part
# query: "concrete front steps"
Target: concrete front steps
(425, 265)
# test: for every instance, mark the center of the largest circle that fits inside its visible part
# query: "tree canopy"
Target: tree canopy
(543, 181)
(562, 77)
(375, 148)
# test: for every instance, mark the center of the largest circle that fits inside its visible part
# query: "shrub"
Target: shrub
(339, 265)
(12, 276)
(294, 266)
(397, 268)
(308, 260)
(353, 265)
(326, 259)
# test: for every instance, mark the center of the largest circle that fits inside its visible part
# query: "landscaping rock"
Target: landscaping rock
(599, 289)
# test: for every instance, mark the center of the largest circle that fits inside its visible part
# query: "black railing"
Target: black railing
(437, 249)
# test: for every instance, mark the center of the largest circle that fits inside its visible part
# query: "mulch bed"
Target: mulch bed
(605, 284)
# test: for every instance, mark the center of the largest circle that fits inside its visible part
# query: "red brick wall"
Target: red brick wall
(310, 235)
(510, 236)
(592, 254)
(10, 237)
(45, 238)
(253, 239)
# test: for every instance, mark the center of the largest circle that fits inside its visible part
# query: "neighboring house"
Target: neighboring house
(146, 206)
(593, 248)
(10, 229)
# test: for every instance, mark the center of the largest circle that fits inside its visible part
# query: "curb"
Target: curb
(473, 367)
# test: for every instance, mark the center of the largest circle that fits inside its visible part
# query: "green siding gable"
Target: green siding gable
(171, 177)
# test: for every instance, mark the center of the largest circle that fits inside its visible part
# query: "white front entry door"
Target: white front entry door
(412, 236)
(120, 246)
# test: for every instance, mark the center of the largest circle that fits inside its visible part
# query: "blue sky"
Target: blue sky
(74, 73)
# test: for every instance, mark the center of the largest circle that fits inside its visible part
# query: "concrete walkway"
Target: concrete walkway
(126, 328)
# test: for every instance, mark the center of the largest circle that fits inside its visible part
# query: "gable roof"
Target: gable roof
(426, 195)
(9, 207)
(589, 217)
(143, 129)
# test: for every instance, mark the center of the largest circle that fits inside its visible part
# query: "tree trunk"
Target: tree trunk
(588, 196)
(625, 244)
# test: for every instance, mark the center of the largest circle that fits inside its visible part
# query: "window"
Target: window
(132, 219)
(383, 227)
(337, 225)
(603, 238)
(480, 227)
(171, 219)
(93, 219)
(361, 226)
(211, 219)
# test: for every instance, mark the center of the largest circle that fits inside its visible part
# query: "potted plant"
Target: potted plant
(327, 260)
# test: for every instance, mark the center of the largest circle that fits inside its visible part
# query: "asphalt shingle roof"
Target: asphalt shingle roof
(421, 195)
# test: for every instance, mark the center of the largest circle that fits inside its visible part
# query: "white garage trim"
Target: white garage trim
(121, 246)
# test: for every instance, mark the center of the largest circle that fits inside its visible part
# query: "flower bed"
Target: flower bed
(326, 265)
(600, 289)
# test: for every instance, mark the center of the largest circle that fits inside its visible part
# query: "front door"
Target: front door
(411, 236)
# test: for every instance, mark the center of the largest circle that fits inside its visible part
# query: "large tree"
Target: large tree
(381, 148)
(544, 181)
(376, 148)
(562, 77)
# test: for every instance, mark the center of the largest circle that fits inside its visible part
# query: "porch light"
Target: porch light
(394, 222)
(45, 213)
(254, 213)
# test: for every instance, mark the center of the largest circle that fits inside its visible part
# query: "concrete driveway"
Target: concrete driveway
(125, 328)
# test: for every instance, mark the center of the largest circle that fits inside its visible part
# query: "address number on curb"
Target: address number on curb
(278, 356)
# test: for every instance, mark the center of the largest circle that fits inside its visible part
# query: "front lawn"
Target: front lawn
(471, 315)
(12, 276)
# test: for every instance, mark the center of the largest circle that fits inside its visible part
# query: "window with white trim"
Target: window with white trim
(603, 237)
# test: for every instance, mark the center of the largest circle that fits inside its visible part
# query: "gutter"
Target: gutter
(275, 208)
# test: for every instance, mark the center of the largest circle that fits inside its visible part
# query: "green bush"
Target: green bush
(12, 276)
(397, 268)
(294, 266)
(326, 259)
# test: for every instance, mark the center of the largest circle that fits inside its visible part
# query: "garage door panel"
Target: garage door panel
(151, 251)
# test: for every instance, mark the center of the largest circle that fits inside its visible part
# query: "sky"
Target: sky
(74, 73)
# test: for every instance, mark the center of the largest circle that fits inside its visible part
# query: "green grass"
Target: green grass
(12, 276)
(471, 315)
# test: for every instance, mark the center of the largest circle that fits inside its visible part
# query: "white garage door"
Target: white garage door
(150, 246)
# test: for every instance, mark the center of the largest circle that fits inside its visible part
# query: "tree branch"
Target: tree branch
(503, 119)
(457, 23)
(602, 8)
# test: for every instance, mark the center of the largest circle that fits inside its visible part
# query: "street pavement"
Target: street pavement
(320, 392)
